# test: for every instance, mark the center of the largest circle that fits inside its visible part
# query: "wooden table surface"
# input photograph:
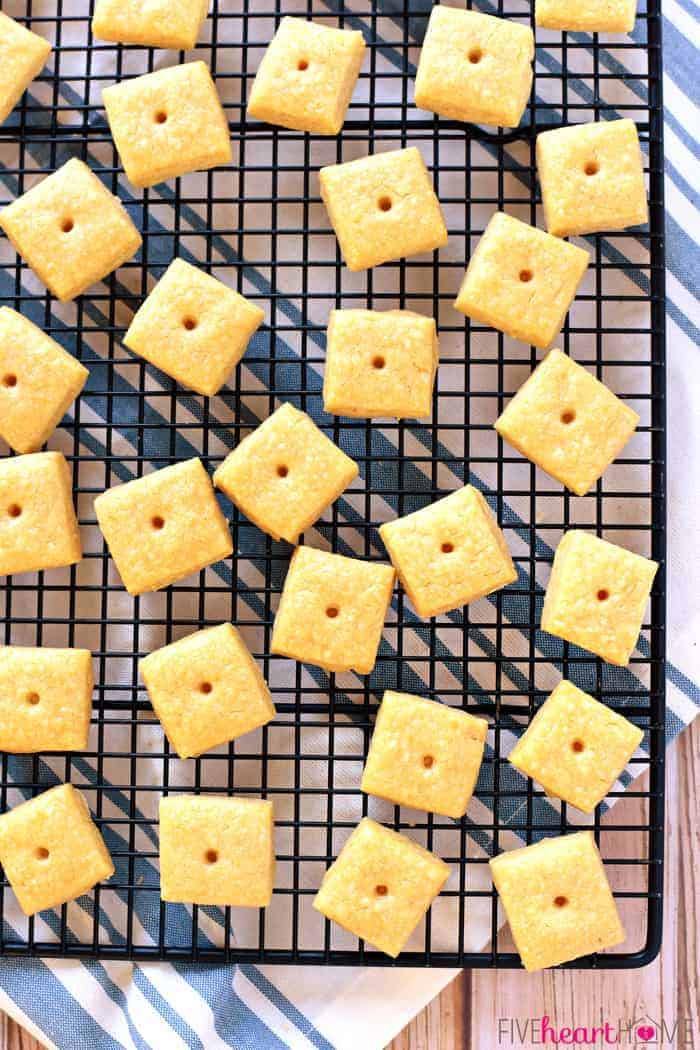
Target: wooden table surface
(467, 1013)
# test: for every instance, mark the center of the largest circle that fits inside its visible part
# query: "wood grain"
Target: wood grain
(12, 1037)
(465, 1016)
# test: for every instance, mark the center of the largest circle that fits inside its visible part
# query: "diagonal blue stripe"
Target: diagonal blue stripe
(67, 1023)
(272, 992)
(234, 1021)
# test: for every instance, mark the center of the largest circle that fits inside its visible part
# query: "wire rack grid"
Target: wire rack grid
(260, 226)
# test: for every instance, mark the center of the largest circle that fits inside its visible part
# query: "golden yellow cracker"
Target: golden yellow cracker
(163, 527)
(424, 754)
(38, 526)
(70, 230)
(285, 473)
(382, 207)
(45, 699)
(380, 886)
(557, 900)
(592, 178)
(567, 422)
(51, 850)
(193, 327)
(586, 16)
(475, 67)
(450, 553)
(576, 747)
(39, 380)
(216, 850)
(332, 610)
(596, 595)
(150, 23)
(521, 280)
(168, 123)
(380, 363)
(206, 689)
(307, 76)
(23, 55)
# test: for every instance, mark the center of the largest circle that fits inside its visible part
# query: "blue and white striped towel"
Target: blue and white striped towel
(102, 1005)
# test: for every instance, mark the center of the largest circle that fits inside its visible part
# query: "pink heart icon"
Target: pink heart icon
(646, 1032)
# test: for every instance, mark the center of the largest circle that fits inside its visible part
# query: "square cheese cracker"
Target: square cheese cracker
(217, 850)
(521, 280)
(70, 230)
(424, 754)
(381, 886)
(51, 850)
(596, 595)
(285, 474)
(38, 525)
(23, 55)
(307, 76)
(150, 23)
(332, 610)
(193, 327)
(39, 381)
(164, 526)
(592, 178)
(567, 422)
(168, 123)
(576, 747)
(382, 207)
(475, 67)
(380, 363)
(206, 689)
(449, 553)
(45, 699)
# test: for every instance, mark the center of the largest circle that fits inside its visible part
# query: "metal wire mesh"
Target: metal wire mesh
(260, 226)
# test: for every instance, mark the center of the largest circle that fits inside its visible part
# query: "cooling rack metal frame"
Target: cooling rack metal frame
(249, 225)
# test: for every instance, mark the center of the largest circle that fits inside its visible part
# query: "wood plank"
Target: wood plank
(444, 1024)
(12, 1037)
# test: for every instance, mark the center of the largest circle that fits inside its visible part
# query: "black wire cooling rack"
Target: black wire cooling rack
(260, 226)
